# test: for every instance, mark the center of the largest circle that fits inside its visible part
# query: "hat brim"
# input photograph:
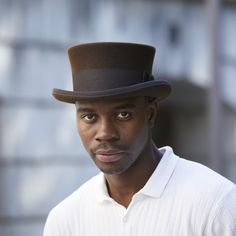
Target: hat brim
(158, 89)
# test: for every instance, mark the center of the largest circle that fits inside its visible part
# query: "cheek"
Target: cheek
(137, 134)
(84, 133)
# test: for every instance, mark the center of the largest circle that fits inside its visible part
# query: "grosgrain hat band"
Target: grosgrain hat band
(105, 79)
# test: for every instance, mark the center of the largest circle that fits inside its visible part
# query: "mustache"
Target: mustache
(108, 147)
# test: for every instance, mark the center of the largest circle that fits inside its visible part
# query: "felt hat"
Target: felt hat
(112, 70)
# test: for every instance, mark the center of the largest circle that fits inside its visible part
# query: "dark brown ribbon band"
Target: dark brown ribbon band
(105, 79)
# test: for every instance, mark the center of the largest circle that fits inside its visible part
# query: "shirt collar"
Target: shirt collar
(156, 184)
(101, 189)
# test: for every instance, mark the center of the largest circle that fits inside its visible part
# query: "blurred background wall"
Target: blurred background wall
(41, 156)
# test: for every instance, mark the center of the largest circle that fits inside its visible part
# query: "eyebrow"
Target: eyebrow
(126, 106)
(85, 109)
(119, 107)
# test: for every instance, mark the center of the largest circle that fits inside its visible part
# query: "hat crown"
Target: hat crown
(112, 70)
(130, 56)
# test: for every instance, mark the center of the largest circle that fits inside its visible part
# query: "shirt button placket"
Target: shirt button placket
(127, 226)
(125, 218)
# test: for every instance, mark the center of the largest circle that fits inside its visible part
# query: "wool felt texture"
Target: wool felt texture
(112, 70)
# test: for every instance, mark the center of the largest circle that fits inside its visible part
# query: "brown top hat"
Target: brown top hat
(105, 69)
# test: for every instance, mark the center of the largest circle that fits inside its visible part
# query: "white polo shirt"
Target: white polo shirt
(181, 198)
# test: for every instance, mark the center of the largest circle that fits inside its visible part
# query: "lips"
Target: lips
(109, 156)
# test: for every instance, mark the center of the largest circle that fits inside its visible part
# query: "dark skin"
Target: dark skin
(117, 135)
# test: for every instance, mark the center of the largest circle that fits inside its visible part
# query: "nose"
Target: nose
(107, 131)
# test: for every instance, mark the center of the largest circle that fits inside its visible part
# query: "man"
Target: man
(141, 190)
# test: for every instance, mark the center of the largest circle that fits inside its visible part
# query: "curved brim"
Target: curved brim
(158, 89)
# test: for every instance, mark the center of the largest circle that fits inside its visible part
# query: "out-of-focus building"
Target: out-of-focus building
(41, 156)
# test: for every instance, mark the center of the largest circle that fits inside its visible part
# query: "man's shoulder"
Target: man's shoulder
(201, 182)
(68, 213)
(185, 176)
(79, 197)
(191, 173)
(198, 172)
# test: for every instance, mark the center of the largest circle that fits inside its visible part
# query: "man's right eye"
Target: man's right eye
(89, 117)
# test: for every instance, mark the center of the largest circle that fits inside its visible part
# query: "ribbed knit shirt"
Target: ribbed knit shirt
(181, 198)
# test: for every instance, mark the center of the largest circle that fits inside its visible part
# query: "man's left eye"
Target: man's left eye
(123, 115)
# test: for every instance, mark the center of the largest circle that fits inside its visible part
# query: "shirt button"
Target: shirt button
(125, 218)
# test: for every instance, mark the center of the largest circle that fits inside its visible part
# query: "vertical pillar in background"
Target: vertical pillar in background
(215, 147)
(0, 130)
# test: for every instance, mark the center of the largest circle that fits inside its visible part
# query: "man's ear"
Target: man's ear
(152, 113)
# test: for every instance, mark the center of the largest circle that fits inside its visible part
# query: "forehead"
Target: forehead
(111, 103)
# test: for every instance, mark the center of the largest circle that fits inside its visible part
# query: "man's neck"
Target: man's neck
(122, 187)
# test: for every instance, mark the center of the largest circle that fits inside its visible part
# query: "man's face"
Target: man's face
(115, 132)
